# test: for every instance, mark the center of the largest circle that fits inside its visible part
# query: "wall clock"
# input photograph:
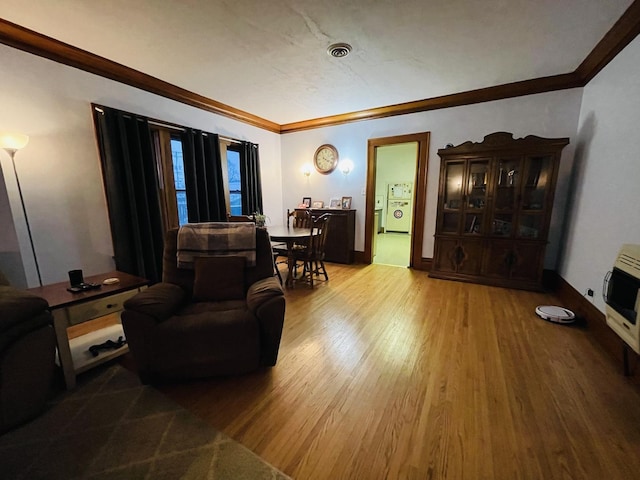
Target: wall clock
(325, 159)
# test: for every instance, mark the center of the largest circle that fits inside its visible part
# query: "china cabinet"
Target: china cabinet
(494, 208)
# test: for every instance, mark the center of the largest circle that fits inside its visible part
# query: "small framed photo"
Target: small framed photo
(306, 201)
(318, 204)
(346, 202)
(335, 203)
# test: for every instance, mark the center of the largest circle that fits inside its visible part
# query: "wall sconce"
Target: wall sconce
(306, 170)
(11, 143)
(346, 166)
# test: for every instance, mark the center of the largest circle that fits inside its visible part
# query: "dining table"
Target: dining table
(290, 236)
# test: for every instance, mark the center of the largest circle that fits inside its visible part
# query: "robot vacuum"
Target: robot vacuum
(555, 314)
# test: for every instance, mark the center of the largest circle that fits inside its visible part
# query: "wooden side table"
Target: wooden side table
(70, 309)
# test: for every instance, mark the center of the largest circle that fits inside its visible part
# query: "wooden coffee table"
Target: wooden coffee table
(70, 309)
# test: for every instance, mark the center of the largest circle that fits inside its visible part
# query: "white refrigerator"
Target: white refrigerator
(399, 207)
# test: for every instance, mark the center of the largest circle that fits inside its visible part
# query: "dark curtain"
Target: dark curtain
(203, 177)
(130, 180)
(250, 178)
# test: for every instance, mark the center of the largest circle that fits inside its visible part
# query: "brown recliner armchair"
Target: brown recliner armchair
(221, 318)
(27, 355)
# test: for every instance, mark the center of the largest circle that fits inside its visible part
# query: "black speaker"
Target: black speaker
(75, 277)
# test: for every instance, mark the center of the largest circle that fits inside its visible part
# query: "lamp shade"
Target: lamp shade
(13, 141)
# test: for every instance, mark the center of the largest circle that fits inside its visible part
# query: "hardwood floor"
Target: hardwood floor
(385, 373)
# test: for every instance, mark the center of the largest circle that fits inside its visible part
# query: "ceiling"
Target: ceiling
(269, 58)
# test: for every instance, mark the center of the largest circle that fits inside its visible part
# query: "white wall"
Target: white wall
(553, 114)
(604, 202)
(59, 170)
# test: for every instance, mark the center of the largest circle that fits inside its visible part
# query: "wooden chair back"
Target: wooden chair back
(317, 242)
(312, 255)
(301, 219)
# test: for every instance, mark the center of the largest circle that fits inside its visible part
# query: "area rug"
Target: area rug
(113, 427)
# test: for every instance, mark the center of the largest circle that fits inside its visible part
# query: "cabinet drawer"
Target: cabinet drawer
(98, 308)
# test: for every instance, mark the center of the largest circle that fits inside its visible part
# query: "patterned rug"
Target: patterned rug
(112, 427)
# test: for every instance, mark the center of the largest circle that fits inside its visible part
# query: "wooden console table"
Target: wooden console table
(341, 236)
(70, 309)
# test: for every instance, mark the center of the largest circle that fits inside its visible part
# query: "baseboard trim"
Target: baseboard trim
(597, 326)
(424, 265)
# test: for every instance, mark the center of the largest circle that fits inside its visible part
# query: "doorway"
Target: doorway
(395, 176)
(396, 199)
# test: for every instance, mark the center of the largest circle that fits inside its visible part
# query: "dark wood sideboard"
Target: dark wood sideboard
(342, 232)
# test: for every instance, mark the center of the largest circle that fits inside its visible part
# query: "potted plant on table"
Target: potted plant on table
(261, 219)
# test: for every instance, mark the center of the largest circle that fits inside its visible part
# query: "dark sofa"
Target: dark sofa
(27, 355)
(222, 318)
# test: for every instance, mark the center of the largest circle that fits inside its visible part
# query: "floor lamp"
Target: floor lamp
(12, 142)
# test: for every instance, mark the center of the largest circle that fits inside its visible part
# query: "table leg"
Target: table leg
(291, 263)
(60, 323)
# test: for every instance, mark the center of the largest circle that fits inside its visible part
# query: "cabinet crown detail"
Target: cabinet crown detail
(505, 140)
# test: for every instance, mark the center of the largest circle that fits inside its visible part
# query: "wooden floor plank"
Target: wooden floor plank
(385, 373)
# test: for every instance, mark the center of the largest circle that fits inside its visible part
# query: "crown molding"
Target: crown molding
(615, 40)
(499, 92)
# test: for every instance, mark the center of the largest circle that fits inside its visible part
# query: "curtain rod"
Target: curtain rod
(182, 129)
(230, 140)
(172, 126)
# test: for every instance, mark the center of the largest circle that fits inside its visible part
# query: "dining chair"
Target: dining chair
(301, 218)
(312, 255)
(279, 250)
(275, 247)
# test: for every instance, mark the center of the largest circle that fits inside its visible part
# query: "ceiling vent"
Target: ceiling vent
(339, 50)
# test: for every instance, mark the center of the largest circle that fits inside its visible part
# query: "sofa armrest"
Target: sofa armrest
(18, 306)
(262, 291)
(265, 299)
(160, 301)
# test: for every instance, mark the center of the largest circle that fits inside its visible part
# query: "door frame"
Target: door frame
(419, 201)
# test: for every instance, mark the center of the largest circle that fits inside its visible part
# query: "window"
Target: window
(170, 167)
(235, 184)
(178, 180)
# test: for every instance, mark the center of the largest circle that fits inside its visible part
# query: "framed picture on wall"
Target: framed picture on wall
(346, 202)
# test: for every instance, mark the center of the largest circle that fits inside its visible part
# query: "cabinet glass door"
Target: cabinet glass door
(453, 185)
(530, 225)
(506, 194)
(453, 197)
(536, 182)
(476, 196)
